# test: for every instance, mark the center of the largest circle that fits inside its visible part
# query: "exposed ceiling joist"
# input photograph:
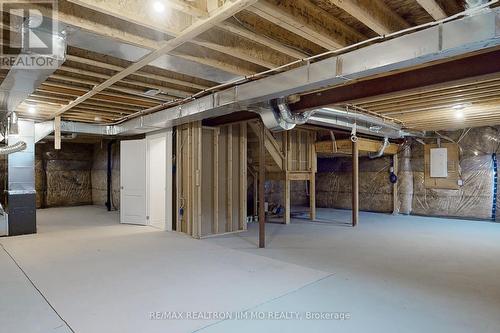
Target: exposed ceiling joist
(375, 14)
(188, 34)
(99, 64)
(66, 15)
(433, 8)
(271, 43)
(137, 12)
(146, 85)
(260, 56)
(308, 21)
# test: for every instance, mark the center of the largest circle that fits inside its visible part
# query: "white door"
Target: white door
(133, 182)
(157, 171)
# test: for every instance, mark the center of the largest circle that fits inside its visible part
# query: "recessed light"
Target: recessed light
(158, 7)
(459, 114)
(97, 118)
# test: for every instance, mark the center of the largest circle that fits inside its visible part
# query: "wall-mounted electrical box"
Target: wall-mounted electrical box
(439, 162)
(442, 166)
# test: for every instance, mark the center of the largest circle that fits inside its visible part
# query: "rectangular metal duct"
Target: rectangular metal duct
(426, 46)
(21, 82)
(433, 44)
(21, 194)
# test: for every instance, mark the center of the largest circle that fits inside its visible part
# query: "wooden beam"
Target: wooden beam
(345, 146)
(188, 34)
(375, 14)
(458, 69)
(355, 184)
(433, 8)
(262, 176)
(315, 25)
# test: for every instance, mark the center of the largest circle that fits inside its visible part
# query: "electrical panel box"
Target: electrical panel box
(439, 162)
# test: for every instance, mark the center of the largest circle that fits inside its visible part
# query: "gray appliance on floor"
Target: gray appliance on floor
(19, 216)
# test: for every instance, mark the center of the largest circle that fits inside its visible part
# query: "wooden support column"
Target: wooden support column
(262, 175)
(215, 227)
(355, 184)
(229, 223)
(312, 196)
(57, 133)
(243, 176)
(312, 180)
(395, 198)
(286, 192)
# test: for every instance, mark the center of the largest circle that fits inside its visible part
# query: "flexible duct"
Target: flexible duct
(17, 147)
(288, 116)
(381, 150)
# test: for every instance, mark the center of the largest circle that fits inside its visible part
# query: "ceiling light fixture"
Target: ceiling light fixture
(152, 92)
(158, 7)
(459, 114)
(461, 106)
(32, 110)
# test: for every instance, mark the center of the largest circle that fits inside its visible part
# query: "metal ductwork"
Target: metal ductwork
(17, 147)
(22, 80)
(381, 150)
(277, 115)
(436, 43)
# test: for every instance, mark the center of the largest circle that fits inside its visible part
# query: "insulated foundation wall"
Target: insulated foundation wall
(100, 171)
(63, 177)
(334, 183)
(473, 199)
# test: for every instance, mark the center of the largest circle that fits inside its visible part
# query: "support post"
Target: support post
(286, 193)
(395, 198)
(355, 184)
(312, 196)
(262, 175)
(57, 133)
(109, 175)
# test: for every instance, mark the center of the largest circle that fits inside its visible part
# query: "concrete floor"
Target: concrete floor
(392, 273)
